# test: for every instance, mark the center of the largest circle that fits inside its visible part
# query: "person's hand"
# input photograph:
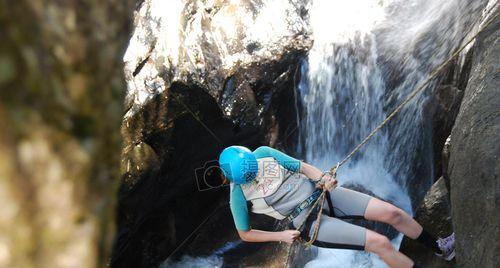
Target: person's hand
(288, 236)
(329, 182)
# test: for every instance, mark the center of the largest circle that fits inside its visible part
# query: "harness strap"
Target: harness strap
(330, 204)
(305, 204)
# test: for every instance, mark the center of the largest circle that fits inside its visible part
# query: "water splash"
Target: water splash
(214, 260)
(366, 58)
(337, 21)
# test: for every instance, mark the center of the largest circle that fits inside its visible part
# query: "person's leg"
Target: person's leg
(352, 204)
(335, 233)
(381, 246)
(347, 203)
(382, 211)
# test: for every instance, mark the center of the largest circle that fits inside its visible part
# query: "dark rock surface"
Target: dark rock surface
(192, 91)
(443, 105)
(474, 163)
(435, 216)
(217, 240)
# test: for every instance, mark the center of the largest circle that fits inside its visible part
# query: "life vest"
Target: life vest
(269, 179)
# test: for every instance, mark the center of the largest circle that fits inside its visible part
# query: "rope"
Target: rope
(321, 201)
(333, 170)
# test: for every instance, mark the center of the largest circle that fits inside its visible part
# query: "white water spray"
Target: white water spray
(367, 56)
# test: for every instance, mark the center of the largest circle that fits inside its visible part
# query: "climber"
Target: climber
(284, 188)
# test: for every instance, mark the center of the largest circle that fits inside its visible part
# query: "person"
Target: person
(281, 186)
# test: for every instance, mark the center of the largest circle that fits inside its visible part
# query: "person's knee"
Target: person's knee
(394, 215)
(379, 244)
(384, 244)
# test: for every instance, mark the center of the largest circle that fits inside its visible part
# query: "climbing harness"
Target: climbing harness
(320, 200)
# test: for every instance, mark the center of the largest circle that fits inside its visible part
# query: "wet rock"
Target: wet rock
(299, 256)
(440, 109)
(473, 167)
(445, 156)
(444, 102)
(434, 215)
(164, 201)
(200, 76)
(220, 46)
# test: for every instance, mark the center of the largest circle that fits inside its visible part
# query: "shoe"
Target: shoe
(447, 247)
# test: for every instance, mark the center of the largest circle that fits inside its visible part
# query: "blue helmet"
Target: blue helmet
(238, 164)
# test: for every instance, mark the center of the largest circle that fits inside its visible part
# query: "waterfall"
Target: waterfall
(367, 56)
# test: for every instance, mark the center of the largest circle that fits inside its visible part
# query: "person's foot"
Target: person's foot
(447, 246)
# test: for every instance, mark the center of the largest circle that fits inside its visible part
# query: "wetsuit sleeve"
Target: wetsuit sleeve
(239, 209)
(283, 159)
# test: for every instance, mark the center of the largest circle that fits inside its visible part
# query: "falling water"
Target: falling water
(367, 56)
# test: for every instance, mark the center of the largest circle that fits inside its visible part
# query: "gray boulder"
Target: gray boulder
(474, 165)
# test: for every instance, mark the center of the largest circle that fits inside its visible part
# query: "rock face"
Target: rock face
(200, 76)
(225, 48)
(468, 163)
(435, 216)
(443, 105)
(474, 163)
(61, 104)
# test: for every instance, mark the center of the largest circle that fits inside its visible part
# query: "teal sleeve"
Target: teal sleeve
(239, 209)
(283, 159)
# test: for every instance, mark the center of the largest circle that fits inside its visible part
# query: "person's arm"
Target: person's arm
(239, 210)
(315, 174)
(289, 162)
(254, 235)
(295, 165)
(310, 171)
(283, 159)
